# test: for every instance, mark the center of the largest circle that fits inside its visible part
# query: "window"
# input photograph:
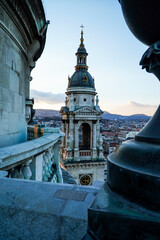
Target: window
(84, 99)
(74, 99)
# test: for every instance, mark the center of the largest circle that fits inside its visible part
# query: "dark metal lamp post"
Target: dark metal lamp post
(128, 205)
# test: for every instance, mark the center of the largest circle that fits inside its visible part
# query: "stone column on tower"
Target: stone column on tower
(71, 130)
(63, 130)
(69, 149)
(98, 132)
(94, 135)
(71, 105)
(76, 148)
(66, 132)
(94, 152)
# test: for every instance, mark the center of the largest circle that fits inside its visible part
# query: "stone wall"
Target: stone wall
(82, 99)
(95, 170)
(20, 41)
(13, 66)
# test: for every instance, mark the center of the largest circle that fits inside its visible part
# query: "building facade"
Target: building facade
(23, 28)
(82, 149)
(22, 38)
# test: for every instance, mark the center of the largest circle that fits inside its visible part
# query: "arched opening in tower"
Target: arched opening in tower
(84, 136)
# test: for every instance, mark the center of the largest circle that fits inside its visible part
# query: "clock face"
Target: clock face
(85, 180)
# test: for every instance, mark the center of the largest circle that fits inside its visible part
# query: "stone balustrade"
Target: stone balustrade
(85, 154)
(37, 159)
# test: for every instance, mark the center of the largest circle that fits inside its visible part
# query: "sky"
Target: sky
(113, 58)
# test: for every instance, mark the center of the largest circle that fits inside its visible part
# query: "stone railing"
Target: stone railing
(85, 154)
(37, 159)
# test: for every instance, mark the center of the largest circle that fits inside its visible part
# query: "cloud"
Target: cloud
(135, 104)
(132, 107)
(47, 97)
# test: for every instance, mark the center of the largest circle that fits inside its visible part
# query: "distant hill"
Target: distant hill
(106, 115)
(47, 113)
(110, 116)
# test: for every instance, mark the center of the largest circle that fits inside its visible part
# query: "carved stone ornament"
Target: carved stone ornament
(151, 59)
(100, 143)
(85, 110)
(28, 109)
(69, 142)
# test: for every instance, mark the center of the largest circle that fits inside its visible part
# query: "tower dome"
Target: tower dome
(81, 77)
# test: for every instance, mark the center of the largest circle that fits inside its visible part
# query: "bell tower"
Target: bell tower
(82, 144)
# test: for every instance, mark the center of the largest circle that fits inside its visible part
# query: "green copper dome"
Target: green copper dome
(81, 50)
(81, 78)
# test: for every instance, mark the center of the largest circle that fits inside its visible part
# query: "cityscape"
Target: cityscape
(79, 121)
(115, 130)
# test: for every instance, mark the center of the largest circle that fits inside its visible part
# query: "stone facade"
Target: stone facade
(22, 37)
(94, 171)
(72, 151)
(81, 124)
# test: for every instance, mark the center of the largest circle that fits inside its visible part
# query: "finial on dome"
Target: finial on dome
(82, 27)
(82, 34)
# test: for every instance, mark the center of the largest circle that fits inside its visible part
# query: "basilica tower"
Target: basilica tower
(82, 144)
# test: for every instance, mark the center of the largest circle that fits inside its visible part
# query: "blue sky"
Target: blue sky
(113, 60)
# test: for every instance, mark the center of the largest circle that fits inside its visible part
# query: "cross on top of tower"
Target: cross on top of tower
(82, 27)
(82, 34)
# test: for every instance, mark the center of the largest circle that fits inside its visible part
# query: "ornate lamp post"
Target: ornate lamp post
(128, 205)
